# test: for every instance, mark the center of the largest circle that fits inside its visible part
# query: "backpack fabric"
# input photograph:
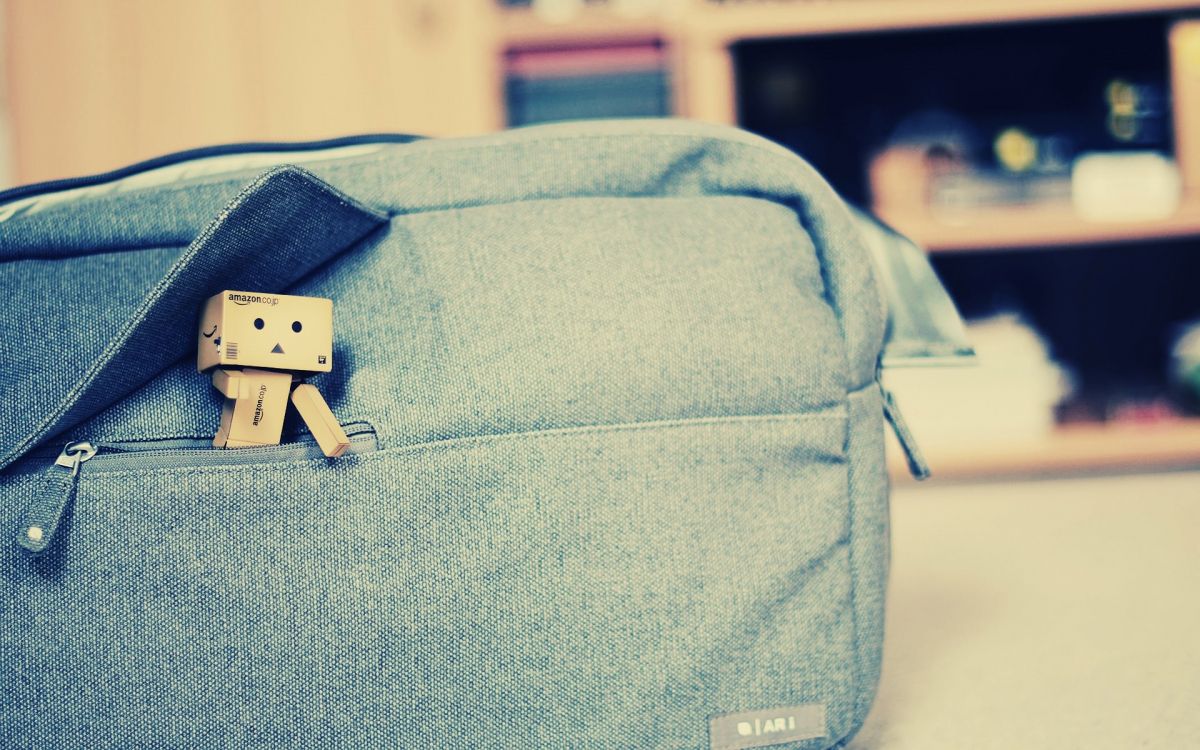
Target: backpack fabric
(617, 470)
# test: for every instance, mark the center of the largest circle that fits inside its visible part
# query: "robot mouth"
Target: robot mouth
(277, 350)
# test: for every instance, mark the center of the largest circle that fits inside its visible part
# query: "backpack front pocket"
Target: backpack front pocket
(600, 586)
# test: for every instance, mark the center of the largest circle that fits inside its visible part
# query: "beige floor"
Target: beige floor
(1050, 614)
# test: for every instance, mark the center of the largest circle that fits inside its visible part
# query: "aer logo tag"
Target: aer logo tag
(772, 726)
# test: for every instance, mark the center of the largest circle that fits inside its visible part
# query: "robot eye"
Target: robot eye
(258, 323)
(296, 326)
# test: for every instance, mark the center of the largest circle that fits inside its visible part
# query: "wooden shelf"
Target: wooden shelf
(760, 19)
(1070, 449)
(1012, 227)
(733, 21)
(521, 27)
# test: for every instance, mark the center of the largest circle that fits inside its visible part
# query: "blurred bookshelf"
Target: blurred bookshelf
(1017, 227)
(736, 20)
(735, 61)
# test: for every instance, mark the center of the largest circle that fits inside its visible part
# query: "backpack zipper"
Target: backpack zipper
(43, 518)
(917, 465)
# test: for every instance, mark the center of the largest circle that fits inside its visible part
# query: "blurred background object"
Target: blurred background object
(615, 81)
(1045, 153)
(997, 409)
(1185, 366)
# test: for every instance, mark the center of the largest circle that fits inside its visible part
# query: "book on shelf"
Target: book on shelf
(599, 82)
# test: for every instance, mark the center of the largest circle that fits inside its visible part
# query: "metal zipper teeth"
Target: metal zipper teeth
(42, 518)
(118, 456)
(200, 451)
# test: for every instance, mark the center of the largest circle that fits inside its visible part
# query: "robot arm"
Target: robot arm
(231, 383)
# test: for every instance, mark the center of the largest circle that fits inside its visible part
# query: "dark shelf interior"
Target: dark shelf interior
(836, 100)
(1109, 313)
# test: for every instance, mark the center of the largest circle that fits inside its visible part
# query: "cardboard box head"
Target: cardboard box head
(273, 331)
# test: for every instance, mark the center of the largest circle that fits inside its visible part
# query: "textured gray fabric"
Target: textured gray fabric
(629, 470)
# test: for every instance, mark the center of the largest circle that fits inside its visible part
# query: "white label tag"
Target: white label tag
(771, 726)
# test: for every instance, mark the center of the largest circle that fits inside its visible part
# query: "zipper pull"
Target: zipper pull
(916, 460)
(44, 514)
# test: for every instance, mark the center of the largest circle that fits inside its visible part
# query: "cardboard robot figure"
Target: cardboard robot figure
(259, 347)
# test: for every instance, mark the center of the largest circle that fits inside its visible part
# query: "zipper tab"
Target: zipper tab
(916, 460)
(45, 513)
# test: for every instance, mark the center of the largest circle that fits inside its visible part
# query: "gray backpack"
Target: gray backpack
(616, 475)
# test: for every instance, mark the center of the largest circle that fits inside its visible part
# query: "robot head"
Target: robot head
(272, 331)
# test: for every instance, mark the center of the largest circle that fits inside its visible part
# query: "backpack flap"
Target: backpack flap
(282, 226)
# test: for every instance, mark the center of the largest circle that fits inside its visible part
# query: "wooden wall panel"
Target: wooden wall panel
(94, 85)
